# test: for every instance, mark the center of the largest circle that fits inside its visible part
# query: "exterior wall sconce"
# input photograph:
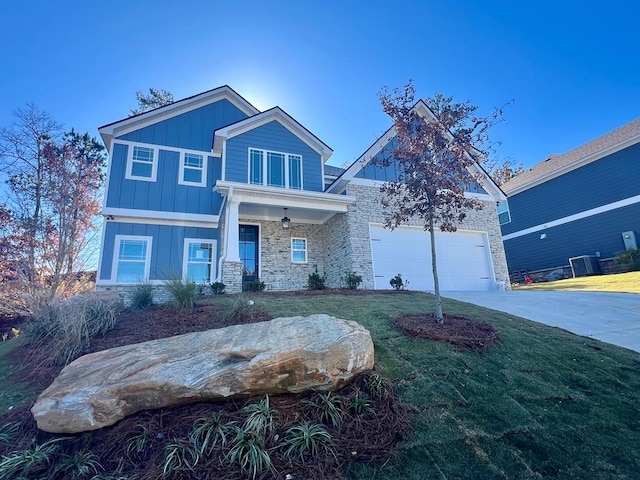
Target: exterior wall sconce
(286, 221)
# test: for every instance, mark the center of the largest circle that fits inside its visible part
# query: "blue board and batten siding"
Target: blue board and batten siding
(191, 130)
(608, 180)
(167, 246)
(165, 194)
(275, 137)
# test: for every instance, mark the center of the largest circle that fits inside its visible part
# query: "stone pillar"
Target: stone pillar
(232, 276)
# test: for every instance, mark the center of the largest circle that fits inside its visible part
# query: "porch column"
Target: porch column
(233, 233)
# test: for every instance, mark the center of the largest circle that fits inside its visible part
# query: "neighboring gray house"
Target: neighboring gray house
(584, 204)
(211, 189)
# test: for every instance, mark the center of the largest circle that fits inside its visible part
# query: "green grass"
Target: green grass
(11, 395)
(619, 282)
(540, 404)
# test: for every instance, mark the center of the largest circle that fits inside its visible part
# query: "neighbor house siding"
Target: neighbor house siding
(165, 193)
(598, 183)
(598, 233)
(166, 250)
(190, 130)
(275, 137)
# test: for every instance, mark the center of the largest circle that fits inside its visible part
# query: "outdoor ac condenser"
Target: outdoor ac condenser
(584, 266)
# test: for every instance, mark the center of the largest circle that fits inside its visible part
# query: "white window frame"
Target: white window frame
(130, 161)
(183, 167)
(305, 250)
(502, 207)
(265, 169)
(185, 257)
(116, 255)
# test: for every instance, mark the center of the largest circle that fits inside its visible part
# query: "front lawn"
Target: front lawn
(620, 282)
(540, 403)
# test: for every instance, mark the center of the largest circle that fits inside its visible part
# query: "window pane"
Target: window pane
(299, 256)
(192, 160)
(255, 167)
(191, 175)
(130, 272)
(199, 272)
(141, 169)
(298, 244)
(199, 252)
(275, 169)
(143, 154)
(132, 250)
(294, 171)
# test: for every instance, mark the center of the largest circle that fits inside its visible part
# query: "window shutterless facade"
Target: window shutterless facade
(275, 169)
(132, 256)
(298, 250)
(193, 167)
(142, 163)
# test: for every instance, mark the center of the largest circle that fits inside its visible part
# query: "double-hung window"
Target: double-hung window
(503, 212)
(298, 250)
(192, 169)
(131, 259)
(198, 265)
(142, 163)
(275, 169)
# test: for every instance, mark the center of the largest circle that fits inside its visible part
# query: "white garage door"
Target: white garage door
(464, 261)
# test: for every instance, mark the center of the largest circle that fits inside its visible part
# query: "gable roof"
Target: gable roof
(141, 120)
(557, 165)
(422, 109)
(273, 114)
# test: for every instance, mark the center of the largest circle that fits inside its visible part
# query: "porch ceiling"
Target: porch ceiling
(268, 203)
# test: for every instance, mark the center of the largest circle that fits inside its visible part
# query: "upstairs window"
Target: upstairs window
(192, 169)
(275, 169)
(299, 250)
(503, 212)
(131, 263)
(142, 163)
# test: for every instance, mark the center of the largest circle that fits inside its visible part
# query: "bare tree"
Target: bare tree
(22, 160)
(154, 99)
(502, 172)
(436, 144)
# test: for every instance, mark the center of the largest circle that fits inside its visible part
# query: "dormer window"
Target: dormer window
(282, 169)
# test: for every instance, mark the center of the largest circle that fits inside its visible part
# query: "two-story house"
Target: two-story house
(209, 189)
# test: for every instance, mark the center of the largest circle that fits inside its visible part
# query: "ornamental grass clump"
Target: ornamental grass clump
(182, 293)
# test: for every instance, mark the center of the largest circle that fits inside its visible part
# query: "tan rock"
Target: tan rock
(283, 355)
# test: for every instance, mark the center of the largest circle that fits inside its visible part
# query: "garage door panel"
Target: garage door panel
(463, 260)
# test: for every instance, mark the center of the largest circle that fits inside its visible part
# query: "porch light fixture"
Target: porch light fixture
(286, 221)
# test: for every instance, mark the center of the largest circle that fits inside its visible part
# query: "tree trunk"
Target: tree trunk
(434, 269)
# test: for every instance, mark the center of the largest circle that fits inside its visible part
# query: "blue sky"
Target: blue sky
(572, 68)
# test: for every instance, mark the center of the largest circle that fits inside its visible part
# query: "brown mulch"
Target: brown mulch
(461, 332)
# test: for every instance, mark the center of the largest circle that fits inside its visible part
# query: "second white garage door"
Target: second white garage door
(464, 261)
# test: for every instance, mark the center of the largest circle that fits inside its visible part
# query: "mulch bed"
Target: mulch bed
(460, 332)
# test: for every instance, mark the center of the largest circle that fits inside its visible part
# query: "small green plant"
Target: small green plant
(178, 456)
(327, 407)
(352, 280)
(253, 286)
(316, 282)
(79, 465)
(629, 260)
(141, 296)
(397, 282)
(209, 432)
(217, 288)
(261, 418)
(29, 463)
(183, 294)
(377, 386)
(247, 450)
(307, 440)
(360, 404)
(9, 432)
(137, 444)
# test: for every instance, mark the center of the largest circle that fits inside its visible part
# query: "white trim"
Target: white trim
(165, 148)
(130, 161)
(203, 170)
(101, 252)
(306, 248)
(185, 257)
(571, 218)
(265, 168)
(116, 253)
(210, 221)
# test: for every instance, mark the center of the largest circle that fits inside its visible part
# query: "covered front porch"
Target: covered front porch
(274, 235)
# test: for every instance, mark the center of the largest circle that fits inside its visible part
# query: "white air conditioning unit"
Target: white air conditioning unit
(584, 266)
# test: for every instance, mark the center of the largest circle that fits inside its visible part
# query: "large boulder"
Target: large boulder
(284, 355)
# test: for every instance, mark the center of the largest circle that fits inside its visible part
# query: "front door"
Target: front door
(249, 252)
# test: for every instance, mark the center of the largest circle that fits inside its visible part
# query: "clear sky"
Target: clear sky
(572, 68)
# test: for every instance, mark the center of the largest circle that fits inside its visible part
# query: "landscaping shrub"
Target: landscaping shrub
(352, 280)
(629, 259)
(217, 288)
(141, 297)
(397, 282)
(253, 286)
(183, 294)
(316, 282)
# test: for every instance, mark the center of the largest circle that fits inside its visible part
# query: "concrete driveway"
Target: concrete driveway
(609, 317)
